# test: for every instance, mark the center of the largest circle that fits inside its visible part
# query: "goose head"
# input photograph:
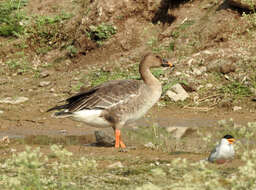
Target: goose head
(151, 61)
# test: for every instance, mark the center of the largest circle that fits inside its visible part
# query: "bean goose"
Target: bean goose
(116, 103)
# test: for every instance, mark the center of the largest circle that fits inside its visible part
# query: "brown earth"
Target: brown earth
(138, 22)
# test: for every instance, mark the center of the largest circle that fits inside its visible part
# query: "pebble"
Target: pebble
(209, 85)
(102, 139)
(44, 74)
(44, 83)
(149, 145)
(177, 93)
(116, 165)
(236, 108)
(16, 100)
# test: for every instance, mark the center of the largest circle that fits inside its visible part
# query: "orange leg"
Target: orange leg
(119, 142)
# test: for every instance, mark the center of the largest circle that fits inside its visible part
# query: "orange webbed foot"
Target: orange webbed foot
(119, 143)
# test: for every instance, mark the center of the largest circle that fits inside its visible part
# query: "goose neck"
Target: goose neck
(147, 76)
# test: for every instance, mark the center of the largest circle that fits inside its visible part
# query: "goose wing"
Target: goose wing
(105, 95)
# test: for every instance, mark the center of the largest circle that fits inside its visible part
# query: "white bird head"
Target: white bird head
(228, 139)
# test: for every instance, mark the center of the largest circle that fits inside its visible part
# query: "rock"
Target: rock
(196, 71)
(44, 74)
(102, 139)
(180, 132)
(44, 83)
(236, 108)
(149, 145)
(177, 93)
(227, 68)
(243, 4)
(253, 91)
(116, 165)
(5, 140)
(226, 77)
(203, 69)
(1, 111)
(177, 73)
(209, 85)
(16, 100)
(63, 131)
(190, 61)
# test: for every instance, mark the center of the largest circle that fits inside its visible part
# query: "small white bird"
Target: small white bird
(223, 151)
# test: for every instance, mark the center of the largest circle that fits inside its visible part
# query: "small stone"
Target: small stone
(196, 71)
(180, 132)
(236, 108)
(253, 91)
(1, 111)
(44, 74)
(149, 145)
(226, 77)
(44, 83)
(5, 140)
(190, 61)
(102, 139)
(177, 93)
(116, 165)
(52, 90)
(209, 85)
(63, 131)
(16, 100)
(203, 69)
(177, 73)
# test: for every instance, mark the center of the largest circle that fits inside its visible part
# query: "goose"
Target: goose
(223, 151)
(118, 102)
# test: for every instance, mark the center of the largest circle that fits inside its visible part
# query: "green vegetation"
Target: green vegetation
(60, 169)
(101, 32)
(12, 17)
(72, 51)
(99, 76)
(33, 170)
(46, 32)
(77, 86)
(20, 65)
(186, 24)
(236, 90)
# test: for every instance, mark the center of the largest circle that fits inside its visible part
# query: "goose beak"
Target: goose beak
(231, 141)
(167, 63)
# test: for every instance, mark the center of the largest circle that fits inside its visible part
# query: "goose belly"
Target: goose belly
(91, 117)
(143, 106)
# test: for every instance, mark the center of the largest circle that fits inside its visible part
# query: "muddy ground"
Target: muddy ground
(193, 34)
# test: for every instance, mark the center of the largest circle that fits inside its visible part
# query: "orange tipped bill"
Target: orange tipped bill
(231, 140)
